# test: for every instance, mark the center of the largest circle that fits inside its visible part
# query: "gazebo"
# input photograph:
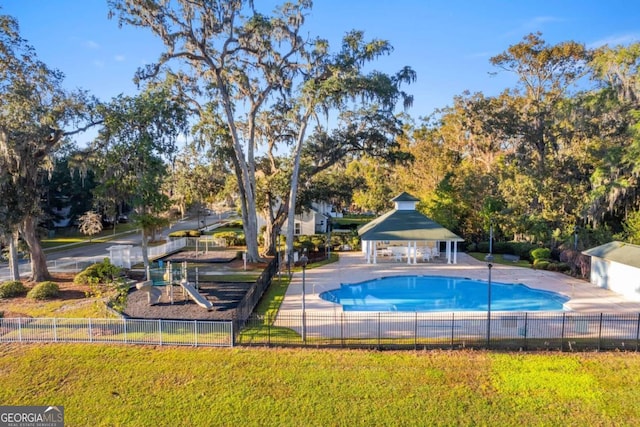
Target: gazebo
(406, 233)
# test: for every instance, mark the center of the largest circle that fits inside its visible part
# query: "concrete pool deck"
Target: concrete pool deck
(352, 268)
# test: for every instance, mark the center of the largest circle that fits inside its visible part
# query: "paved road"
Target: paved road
(75, 252)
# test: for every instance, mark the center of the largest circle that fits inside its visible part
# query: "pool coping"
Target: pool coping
(585, 297)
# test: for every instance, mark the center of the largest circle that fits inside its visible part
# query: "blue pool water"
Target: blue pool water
(440, 293)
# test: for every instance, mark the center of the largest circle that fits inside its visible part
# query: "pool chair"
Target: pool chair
(425, 254)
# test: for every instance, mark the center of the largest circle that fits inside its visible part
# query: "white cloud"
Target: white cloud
(119, 58)
(91, 44)
(98, 63)
(541, 20)
(616, 40)
(532, 25)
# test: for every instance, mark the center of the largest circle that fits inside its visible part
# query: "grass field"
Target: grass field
(102, 385)
(130, 385)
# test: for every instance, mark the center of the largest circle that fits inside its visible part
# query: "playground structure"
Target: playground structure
(168, 277)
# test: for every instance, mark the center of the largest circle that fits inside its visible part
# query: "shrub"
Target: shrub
(103, 272)
(541, 254)
(541, 264)
(44, 290)
(230, 237)
(12, 289)
(558, 266)
(185, 233)
(483, 247)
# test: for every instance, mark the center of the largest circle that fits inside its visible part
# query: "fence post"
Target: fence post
(415, 332)
(195, 331)
(90, 332)
(268, 329)
(453, 327)
(564, 316)
(160, 330)
(20, 329)
(526, 327)
(233, 333)
(379, 331)
(55, 330)
(638, 332)
(600, 333)
(124, 326)
(342, 329)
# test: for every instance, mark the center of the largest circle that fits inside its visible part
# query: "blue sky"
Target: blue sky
(448, 43)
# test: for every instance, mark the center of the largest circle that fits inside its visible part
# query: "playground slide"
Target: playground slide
(153, 293)
(196, 296)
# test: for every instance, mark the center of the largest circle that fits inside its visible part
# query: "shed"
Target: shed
(406, 233)
(616, 266)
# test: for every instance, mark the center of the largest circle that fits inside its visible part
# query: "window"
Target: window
(297, 230)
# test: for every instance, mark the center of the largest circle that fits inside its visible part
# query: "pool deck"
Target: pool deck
(352, 268)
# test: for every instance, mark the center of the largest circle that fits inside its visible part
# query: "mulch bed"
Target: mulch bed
(225, 298)
(202, 256)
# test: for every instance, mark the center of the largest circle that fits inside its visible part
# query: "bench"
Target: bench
(512, 258)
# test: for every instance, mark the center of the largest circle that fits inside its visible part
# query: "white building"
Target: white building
(311, 221)
(616, 266)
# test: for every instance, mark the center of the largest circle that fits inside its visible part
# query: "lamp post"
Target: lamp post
(303, 261)
(575, 238)
(489, 259)
(279, 258)
(328, 236)
(490, 236)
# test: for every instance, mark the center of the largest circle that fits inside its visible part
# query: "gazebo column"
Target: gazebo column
(448, 251)
(375, 251)
(367, 250)
(455, 252)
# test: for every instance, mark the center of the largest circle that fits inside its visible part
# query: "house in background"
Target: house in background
(616, 266)
(312, 221)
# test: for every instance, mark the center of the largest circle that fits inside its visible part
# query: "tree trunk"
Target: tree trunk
(248, 209)
(14, 268)
(293, 193)
(39, 270)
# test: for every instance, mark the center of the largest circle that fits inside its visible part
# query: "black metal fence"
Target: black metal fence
(253, 295)
(518, 331)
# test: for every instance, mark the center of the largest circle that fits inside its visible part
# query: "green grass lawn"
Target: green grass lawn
(498, 259)
(108, 385)
(75, 238)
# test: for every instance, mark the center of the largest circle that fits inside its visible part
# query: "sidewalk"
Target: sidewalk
(352, 268)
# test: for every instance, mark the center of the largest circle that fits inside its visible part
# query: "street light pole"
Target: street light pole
(489, 259)
(303, 261)
(575, 238)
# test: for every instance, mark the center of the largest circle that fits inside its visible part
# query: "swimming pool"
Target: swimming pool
(440, 293)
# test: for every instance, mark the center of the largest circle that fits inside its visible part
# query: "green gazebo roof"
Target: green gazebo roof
(407, 225)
